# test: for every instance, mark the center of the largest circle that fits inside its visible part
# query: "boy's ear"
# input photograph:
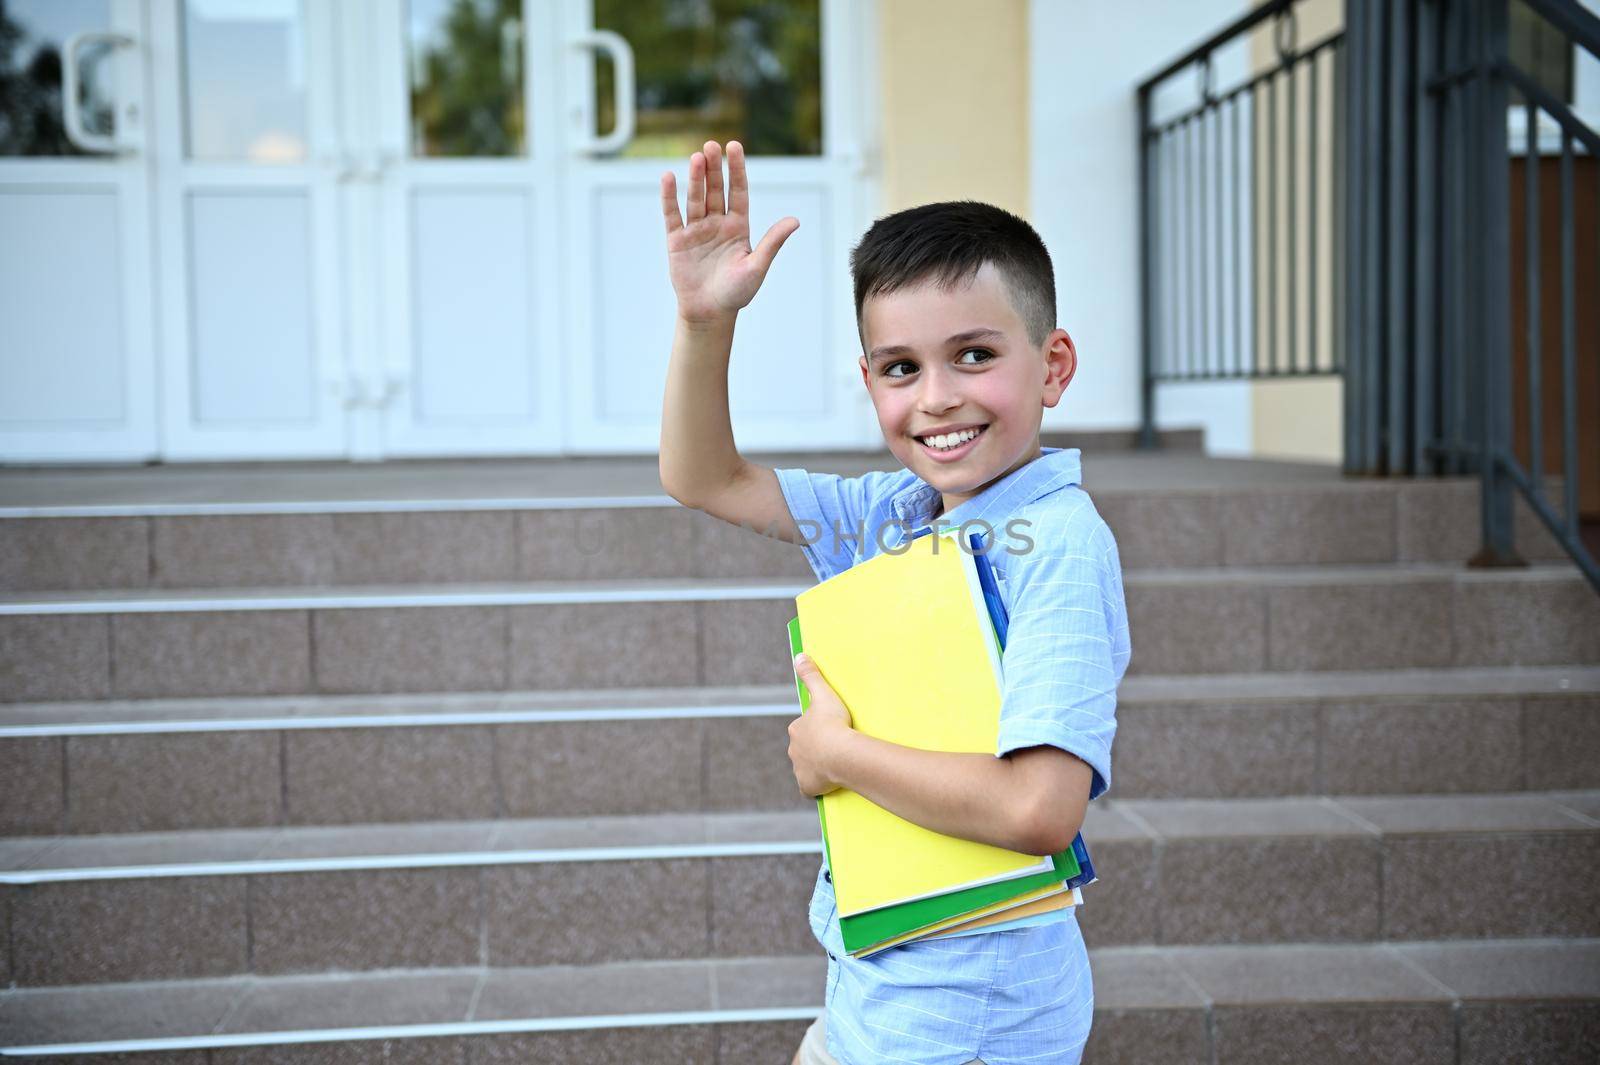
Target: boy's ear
(1060, 363)
(865, 378)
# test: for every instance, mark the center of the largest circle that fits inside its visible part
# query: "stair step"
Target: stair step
(169, 906)
(238, 762)
(1398, 1001)
(1273, 515)
(608, 634)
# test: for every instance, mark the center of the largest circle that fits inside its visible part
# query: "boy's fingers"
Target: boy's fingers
(738, 185)
(669, 202)
(697, 188)
(713, 178)
(768, 248)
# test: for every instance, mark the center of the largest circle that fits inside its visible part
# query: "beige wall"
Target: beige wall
(955, 102)
(1300, 419)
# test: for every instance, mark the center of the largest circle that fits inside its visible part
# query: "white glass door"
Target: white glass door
(468, 261)
(294, 229)
(784, 78)
(251, 159)
(77, 352)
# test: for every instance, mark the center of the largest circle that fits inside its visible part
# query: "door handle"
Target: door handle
(621, 53)
(71, 110)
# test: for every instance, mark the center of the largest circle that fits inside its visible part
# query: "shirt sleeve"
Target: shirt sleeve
(1066, 648)
(831, 512)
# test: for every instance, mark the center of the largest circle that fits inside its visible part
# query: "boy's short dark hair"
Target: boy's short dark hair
(950, 242)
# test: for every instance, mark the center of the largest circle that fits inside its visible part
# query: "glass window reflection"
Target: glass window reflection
(244, 66)
(466, 74)
(746, 70)
(32, 34)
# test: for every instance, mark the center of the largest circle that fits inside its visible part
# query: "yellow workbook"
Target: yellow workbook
(907, 643)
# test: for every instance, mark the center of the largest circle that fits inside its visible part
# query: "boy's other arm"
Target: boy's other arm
(1032, 800)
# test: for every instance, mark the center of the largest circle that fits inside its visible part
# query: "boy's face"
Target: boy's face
(953, 359)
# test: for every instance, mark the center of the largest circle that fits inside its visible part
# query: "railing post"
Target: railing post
(1147, 252)
(1492, 277)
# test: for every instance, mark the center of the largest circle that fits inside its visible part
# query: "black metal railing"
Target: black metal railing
(1490, 371)
(1237, 190)
(1410, 222)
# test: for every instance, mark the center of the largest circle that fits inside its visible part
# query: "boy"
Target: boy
(955, 304)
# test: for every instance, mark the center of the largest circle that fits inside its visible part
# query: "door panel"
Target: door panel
(472, 336)
(64, 366)
(76, 344)
(253, 306)
(252, 330)
(248, 147)
(470, 230)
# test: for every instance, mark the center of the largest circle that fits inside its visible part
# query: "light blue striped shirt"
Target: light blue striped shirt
(1020, 996)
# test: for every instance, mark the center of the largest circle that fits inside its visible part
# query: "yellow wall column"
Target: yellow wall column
(1301, 418)
(955, 102)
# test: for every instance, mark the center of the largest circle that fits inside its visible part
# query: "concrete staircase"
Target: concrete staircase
(473, 763)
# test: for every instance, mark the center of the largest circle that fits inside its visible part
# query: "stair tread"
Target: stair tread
(232, 1010)
(586, 590)
(303, 711)
(460, 484)
(298, 849)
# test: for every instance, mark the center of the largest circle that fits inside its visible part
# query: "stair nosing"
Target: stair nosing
(584, 1022)
(320, 711)
(393, 596)
(717, 835)
(430, 860)
(693, 589)
(1431, 988)
(339, 506)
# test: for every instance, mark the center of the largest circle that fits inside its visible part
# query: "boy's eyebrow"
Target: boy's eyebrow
(982, 333)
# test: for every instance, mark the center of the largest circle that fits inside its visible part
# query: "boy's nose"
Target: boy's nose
(936, 394)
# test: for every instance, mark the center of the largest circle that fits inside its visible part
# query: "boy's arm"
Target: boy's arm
(1032, 800)
(714, 273)
(699, 464)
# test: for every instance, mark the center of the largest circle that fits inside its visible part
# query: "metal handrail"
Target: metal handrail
(1238, 26)
(1204, 183)
(1572, 19)
(1421, 245)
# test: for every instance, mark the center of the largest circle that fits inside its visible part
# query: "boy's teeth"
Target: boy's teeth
(945, 442)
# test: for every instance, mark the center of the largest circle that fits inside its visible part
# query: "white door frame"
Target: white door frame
(390, 257)
(359, 185)
(846, 170)
(179, 182)
(124, 176)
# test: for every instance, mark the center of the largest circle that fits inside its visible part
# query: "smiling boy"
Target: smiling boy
(955, 305)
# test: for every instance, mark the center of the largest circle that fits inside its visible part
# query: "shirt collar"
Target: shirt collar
(1054, 469)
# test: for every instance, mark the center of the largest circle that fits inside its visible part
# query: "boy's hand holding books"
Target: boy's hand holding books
(815, 735)
(714, 271)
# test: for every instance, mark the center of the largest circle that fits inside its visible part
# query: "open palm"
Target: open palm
(714, 270)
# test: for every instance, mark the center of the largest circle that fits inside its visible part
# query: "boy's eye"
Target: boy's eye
(988, 356)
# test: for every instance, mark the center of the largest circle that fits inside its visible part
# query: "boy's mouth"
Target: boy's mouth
(951, 446)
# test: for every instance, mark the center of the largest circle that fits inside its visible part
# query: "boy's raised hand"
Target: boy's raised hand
(713, 268)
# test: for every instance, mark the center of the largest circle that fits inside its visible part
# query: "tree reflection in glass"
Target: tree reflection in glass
(466, 73)
(32, 33)
(746, 70)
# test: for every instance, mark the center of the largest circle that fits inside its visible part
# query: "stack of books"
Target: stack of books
(913, 644)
